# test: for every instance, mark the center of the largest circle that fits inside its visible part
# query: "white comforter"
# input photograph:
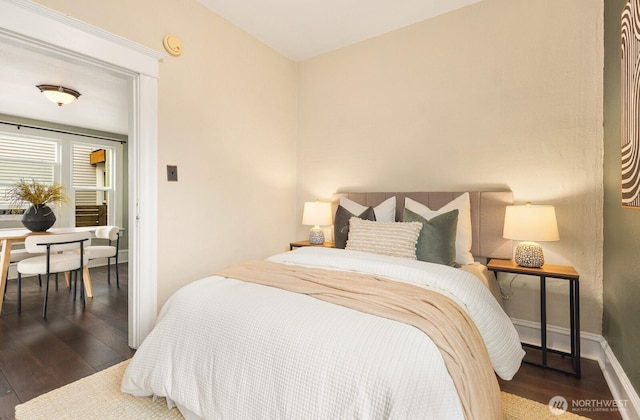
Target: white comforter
(227, 349)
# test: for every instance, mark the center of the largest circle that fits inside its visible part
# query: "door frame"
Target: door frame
(40, 27)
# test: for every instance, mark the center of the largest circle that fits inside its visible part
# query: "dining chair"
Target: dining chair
(54, 260)
(17, 255)
(110, 233)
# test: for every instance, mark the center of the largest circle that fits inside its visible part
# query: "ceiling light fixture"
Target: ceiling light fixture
(59, 94)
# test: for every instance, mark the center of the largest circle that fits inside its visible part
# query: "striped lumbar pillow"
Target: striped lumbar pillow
(397, 239)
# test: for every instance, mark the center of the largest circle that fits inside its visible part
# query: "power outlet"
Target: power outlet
(172, 173)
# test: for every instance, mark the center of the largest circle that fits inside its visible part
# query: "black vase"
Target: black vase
(38, 218)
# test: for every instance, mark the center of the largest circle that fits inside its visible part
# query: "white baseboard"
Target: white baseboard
(123, 256)
(593, 347)
(619, 383)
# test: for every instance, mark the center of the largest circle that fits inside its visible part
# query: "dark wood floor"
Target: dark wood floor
(38, 355)
(538, 384)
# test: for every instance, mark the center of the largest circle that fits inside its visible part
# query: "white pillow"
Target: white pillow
(385, 211)
(397, 239)
(463, 232)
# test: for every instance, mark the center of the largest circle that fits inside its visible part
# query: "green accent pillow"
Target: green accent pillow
(437, 240)
(341, 224)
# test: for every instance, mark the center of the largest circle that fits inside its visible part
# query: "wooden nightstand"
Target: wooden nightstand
(326, 244)
(558, 272)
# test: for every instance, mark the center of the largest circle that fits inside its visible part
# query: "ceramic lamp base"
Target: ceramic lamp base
(316, 236)
(529, 254)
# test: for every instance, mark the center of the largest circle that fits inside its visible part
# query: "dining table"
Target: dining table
(8, 237)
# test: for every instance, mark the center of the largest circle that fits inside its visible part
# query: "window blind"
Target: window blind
(25, 158)
(84, 173)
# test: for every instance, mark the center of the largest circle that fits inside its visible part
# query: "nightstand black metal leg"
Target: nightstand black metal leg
(543, 319)
(572, 320)
(575, 325)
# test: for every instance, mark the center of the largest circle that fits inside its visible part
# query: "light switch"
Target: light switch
(172, 173)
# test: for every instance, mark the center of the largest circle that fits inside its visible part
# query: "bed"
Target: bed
(340, 333)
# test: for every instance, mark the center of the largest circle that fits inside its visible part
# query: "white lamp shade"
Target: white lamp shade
(531, 223)
(316, 213)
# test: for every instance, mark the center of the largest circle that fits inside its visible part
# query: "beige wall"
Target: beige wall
(499, 94)
(227, 119)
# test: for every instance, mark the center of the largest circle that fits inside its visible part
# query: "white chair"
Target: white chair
(15, 257)
(111, 233)
(54, 260)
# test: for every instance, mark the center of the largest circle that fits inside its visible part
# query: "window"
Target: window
(94, 186)
(26, 158)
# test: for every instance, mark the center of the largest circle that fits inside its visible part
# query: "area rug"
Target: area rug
(98, 397)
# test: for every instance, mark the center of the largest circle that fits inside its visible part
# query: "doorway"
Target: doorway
(41, 27)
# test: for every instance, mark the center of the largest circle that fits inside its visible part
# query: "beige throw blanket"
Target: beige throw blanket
(448, 325)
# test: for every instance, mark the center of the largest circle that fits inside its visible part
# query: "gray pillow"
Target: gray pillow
(341, 224)
(437, 240)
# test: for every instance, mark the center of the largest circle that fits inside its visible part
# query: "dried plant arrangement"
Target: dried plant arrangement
(36, 193)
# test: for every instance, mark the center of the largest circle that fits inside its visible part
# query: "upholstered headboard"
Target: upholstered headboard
(487, 214)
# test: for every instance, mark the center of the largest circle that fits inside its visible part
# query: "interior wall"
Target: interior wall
(227, 119)
(621, 225)
(502, 94)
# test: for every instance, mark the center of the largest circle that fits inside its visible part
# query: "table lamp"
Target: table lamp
(316, 214)
(530, 223)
